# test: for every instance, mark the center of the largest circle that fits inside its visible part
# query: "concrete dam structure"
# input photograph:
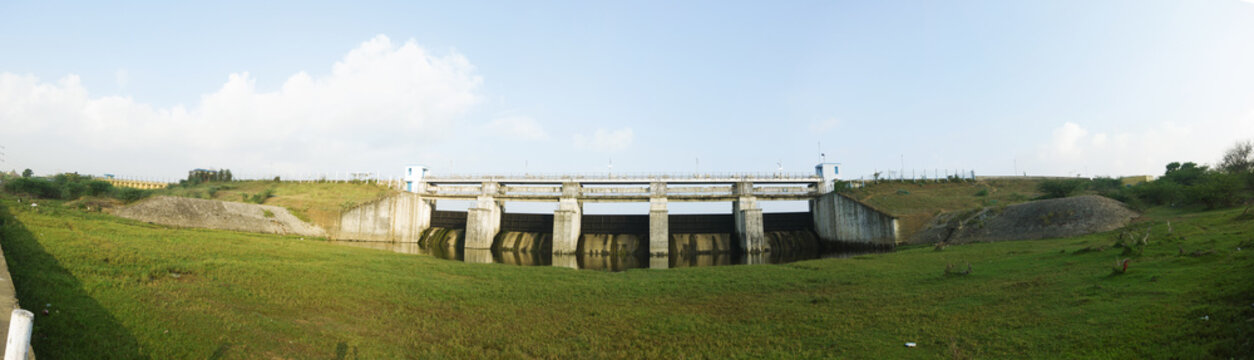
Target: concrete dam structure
(834, 219)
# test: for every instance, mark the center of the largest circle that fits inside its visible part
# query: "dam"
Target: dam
(834, 220)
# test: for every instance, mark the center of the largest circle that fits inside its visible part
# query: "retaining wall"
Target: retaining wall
(843, 221)
(398, 218)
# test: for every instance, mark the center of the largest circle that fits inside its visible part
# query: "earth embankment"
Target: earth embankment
(214, 214)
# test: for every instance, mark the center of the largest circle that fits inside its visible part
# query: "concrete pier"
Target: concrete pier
(659, 221)
(749, 230)
(484, 220)
(567, 220)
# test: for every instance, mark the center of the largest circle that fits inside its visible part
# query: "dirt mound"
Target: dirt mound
(213, 214)
(1032, 220)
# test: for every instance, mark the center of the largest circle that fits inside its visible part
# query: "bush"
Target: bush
(35, 187)
(130, 194)
(1059, 188)
(73, 190)
(259, 197)
(1217, 190)
(1159, 192)
(99, 188)
(982, 192)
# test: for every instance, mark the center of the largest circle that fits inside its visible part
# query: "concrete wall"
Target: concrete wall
(841, 220)
(399, 218)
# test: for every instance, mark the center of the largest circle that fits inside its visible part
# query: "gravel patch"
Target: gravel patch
(214, 214)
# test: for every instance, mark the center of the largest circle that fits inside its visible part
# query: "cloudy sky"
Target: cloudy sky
(998, 87)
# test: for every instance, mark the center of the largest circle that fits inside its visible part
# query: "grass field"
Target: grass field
(314, 202)
(122, 289)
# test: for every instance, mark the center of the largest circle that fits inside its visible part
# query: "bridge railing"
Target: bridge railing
(623, 176)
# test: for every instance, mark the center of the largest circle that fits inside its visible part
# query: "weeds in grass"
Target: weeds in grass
(951, 271)
(982, 192)
(1121, 267)
(1132, 244)
(1245, 215)
(940, 246)
(267, 213)
(258, 198)
(1090, 249)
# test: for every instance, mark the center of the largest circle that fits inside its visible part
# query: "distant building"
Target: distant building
(414, 175)
(137, 184)
(1133, 180)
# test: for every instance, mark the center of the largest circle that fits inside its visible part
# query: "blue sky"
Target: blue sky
(1044, 87)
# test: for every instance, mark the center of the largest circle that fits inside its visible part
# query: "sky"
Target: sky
(305, 89)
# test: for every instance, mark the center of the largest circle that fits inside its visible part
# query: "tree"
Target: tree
(1184, 174)
(1239, 159)
(27, 173)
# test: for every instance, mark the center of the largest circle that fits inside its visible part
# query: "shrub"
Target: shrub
(35, 187)
(1216, 190)
(1105, 184)
(950, 270)
(1059, 188)
(73, 190)
(99, 188)
(259, 197)
(130, 194)
(1159, 192)
(982, 192)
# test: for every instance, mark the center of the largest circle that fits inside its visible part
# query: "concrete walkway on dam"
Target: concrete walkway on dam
(835, 218)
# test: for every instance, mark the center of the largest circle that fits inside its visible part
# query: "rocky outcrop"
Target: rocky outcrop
(1040, 219)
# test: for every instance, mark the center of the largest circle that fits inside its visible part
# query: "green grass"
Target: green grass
(125, 289)
(317, 203)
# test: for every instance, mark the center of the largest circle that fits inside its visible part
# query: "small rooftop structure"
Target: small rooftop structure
(414, 175)
(828, 171)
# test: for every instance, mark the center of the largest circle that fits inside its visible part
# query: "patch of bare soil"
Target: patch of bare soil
(214, 214)
(1040, 219)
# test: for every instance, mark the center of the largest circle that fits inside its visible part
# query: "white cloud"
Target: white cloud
(381, 100)
(1066, 141)
(605, 140)
(824, 125)
(516, 127)
(1144, 150)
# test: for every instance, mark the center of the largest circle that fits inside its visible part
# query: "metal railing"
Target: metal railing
(622, 176)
